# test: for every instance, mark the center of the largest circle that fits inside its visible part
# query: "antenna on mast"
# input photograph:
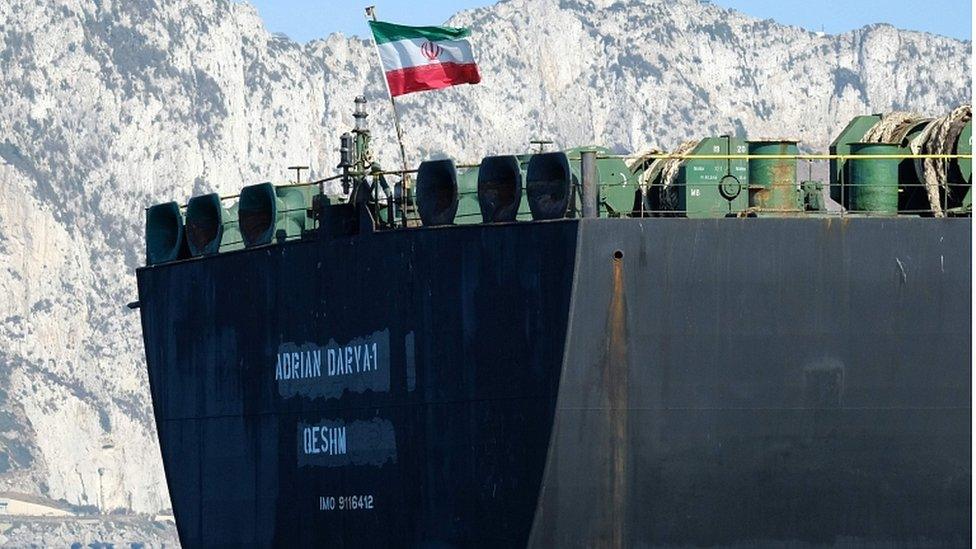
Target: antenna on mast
(541, 144)
(298, 172)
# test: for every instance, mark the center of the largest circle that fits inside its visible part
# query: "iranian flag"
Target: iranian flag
(424, 58)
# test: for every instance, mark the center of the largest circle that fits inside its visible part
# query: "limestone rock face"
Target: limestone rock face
(109, 106)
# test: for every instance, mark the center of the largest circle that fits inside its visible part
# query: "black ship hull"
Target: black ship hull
(656, 382)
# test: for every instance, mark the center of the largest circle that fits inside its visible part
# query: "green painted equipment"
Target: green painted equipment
(437, 192)
(616, 181)
(293, 204)
(708, 178)
(964, 146)
(873, 182)
(210, 228)
(469, 207)
(912, 195)
(772, 181)
(232, 239)
(267, 213)
(618, 185)
(716, 187)
(703, 187)
(165, 236)
(813, 199)
(853, 133)
(646, 173)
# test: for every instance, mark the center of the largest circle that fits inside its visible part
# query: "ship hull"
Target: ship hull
(656, 382)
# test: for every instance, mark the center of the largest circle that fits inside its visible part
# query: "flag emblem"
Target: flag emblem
(424, 58)
(431, 50)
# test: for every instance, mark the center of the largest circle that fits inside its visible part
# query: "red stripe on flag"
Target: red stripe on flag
(431, 77)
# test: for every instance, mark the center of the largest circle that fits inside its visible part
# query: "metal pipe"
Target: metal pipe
(590, 191)
(669, 156)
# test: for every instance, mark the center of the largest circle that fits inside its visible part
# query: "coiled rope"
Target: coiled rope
(939, 137)
(646, 165)
(894, 127)
(669, 172)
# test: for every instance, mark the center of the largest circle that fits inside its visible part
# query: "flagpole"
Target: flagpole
(404, 180)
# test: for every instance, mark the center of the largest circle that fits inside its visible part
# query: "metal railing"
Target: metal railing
(946, 196)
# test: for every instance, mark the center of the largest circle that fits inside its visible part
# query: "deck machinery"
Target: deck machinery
(569, 349)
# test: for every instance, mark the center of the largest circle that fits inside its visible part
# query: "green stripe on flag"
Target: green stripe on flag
(388, 32)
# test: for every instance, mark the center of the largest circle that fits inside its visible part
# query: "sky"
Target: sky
(304, 20)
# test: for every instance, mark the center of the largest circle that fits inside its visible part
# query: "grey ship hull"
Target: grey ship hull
(655, 382)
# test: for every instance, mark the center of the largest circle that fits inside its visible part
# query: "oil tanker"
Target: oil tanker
(575, 348)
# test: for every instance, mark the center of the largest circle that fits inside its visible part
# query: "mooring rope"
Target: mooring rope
(648, 163)
(893, 127)
(939, 137)
(669, 172)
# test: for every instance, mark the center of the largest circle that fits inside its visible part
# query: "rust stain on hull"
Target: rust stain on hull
(616, 387)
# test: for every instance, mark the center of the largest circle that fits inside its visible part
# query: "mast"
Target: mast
(404, 183)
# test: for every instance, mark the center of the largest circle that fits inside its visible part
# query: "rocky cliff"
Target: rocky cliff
(112, 105)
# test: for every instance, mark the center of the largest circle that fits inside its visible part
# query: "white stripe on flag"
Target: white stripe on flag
(404, 54)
